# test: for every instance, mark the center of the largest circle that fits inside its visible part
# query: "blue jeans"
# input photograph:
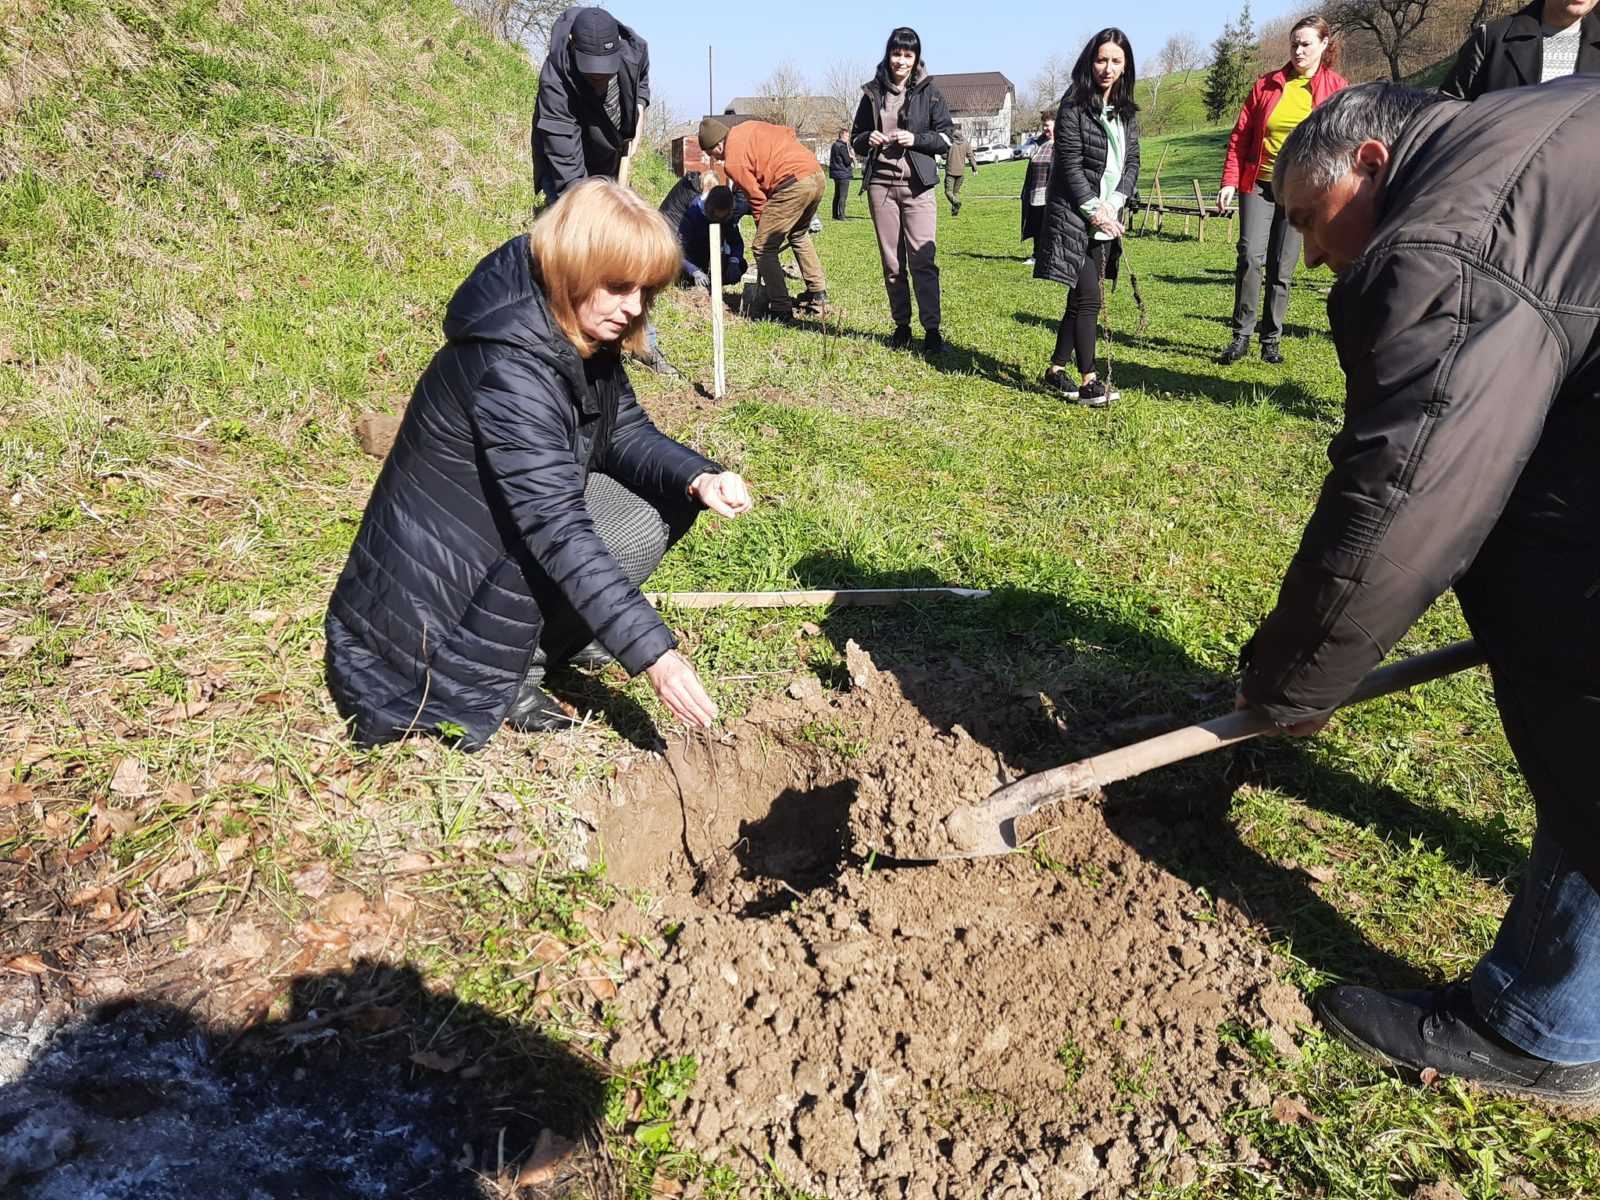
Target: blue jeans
(1539, 988)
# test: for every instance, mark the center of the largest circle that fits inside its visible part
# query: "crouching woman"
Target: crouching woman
(527, 495)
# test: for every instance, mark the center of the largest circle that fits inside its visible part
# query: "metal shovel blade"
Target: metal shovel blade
(990, 828)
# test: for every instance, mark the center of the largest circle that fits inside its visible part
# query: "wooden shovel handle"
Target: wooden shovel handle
(1239, 726)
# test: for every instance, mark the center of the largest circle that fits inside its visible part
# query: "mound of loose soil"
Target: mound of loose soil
(1039, 1025)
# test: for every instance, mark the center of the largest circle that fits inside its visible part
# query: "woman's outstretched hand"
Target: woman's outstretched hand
(724, 494)
(680, 689)
(1225, 199)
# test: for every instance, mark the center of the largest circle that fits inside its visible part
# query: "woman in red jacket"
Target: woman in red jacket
(1279, 101)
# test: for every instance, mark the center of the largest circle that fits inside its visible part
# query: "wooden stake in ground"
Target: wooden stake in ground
(719, 379)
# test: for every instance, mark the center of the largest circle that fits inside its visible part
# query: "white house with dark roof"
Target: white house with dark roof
(981, 103)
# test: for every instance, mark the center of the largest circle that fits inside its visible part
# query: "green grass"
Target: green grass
(231, 231)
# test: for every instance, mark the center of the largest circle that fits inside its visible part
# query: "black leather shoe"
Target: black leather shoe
(932, 343)
(1237, 349)
(536, 711)
(1438, 1029)
(1095, 394)
(592, 655)
(1271, 352)
(901, 338)
(1058, 380)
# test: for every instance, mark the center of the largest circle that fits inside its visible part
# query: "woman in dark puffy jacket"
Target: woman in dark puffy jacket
(1096, 168)
(527, 495)
(900, 125)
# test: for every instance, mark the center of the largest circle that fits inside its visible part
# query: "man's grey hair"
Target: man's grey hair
(1322, 148)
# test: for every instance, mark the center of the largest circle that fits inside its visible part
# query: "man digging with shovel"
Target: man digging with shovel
(1467, 319)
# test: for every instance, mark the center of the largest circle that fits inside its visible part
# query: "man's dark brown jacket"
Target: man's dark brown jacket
(1470, 452)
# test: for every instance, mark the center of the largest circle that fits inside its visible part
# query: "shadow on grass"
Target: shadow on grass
(141, 1099)
(1120, 682)
(955, 359)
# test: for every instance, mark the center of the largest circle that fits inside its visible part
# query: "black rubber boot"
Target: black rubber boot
(535, 710)
(901, 338)
(592, 655)
(1271, 352)
(1439, 1030)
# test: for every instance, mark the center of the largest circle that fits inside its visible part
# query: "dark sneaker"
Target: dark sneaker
(1095, 394)
(901, 338)
(932, 343)
(592, 655)
(536, 711)
(1438, 1030)
(1237, 349)
(1057, 380)
(1271, 352)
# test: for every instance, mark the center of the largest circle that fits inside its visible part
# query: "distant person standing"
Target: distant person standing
(785, 185)
(1036, 179)
(841, 169)
(901, 124)
(593, 90)
(1080, 240)
(957, 162)
(1279, 101)
(1545, 41)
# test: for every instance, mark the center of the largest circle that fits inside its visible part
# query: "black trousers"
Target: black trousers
(1076, 333)
(841, 191)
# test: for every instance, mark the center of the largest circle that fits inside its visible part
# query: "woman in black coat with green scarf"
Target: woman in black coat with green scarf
(1096, 169)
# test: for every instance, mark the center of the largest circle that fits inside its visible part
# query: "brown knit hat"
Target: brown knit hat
(712, 131)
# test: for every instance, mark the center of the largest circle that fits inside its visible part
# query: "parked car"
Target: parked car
(989, 154)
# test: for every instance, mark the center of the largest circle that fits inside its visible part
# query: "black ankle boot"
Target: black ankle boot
(901, 338)
(535, 710)
(1237, 349)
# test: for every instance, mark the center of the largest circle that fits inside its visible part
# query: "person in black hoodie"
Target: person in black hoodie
(1080, 241)
(527, 495)
(593, 90)
(900, 124)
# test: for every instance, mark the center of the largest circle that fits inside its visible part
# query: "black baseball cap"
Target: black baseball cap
(596, 42)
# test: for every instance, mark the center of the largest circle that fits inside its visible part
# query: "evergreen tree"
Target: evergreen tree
(1228, 79)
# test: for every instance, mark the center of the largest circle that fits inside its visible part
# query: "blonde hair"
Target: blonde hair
(600, 234)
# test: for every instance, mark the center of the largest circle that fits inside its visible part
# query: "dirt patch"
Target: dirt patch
(1062, 1024)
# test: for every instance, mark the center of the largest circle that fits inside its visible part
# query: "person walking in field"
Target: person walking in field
(901, 125)
(1095, 168)
(784, 185)
(1278, 102)
(1549, 39)
(1036, 179)
(958, 162)
(527, 495)
(841, 169)
(1467, 318)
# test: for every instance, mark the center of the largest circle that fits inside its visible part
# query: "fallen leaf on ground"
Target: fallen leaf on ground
(18, 646)
(184, 710)
(1291, 1110)
(412, 862)
(174, 875)
(16, 796)
(548, 950)
(313, 880)
(246, 941)
(133, 660)
(1428, 1076)
(598, 983)
(437, 1062)
(548, 1160)
(28, 964)
(345, 907)
(130, 778)
(228, 851)
(114, 821)
(663, 1185)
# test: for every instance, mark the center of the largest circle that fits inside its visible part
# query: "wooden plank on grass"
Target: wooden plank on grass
(811, 599)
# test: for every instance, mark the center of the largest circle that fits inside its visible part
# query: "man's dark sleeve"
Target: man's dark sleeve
(557, 130)
(1465, 81)
(528, 452)
(644, 73)
(1450, 374)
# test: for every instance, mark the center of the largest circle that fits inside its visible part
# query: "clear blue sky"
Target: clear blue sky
(978, 35)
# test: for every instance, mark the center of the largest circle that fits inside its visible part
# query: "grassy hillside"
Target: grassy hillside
(228, 228)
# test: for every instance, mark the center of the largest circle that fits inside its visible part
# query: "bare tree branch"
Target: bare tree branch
(782, 95)
(1392, 24)
(841, 84)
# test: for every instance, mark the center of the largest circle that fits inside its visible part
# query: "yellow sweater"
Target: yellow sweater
(1293, 107)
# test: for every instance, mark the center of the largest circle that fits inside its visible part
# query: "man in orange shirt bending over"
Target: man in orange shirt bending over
(785, 183)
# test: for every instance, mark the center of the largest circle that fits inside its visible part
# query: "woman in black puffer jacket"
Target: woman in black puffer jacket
(527, 495)
(1096, 168)
(900, 125)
